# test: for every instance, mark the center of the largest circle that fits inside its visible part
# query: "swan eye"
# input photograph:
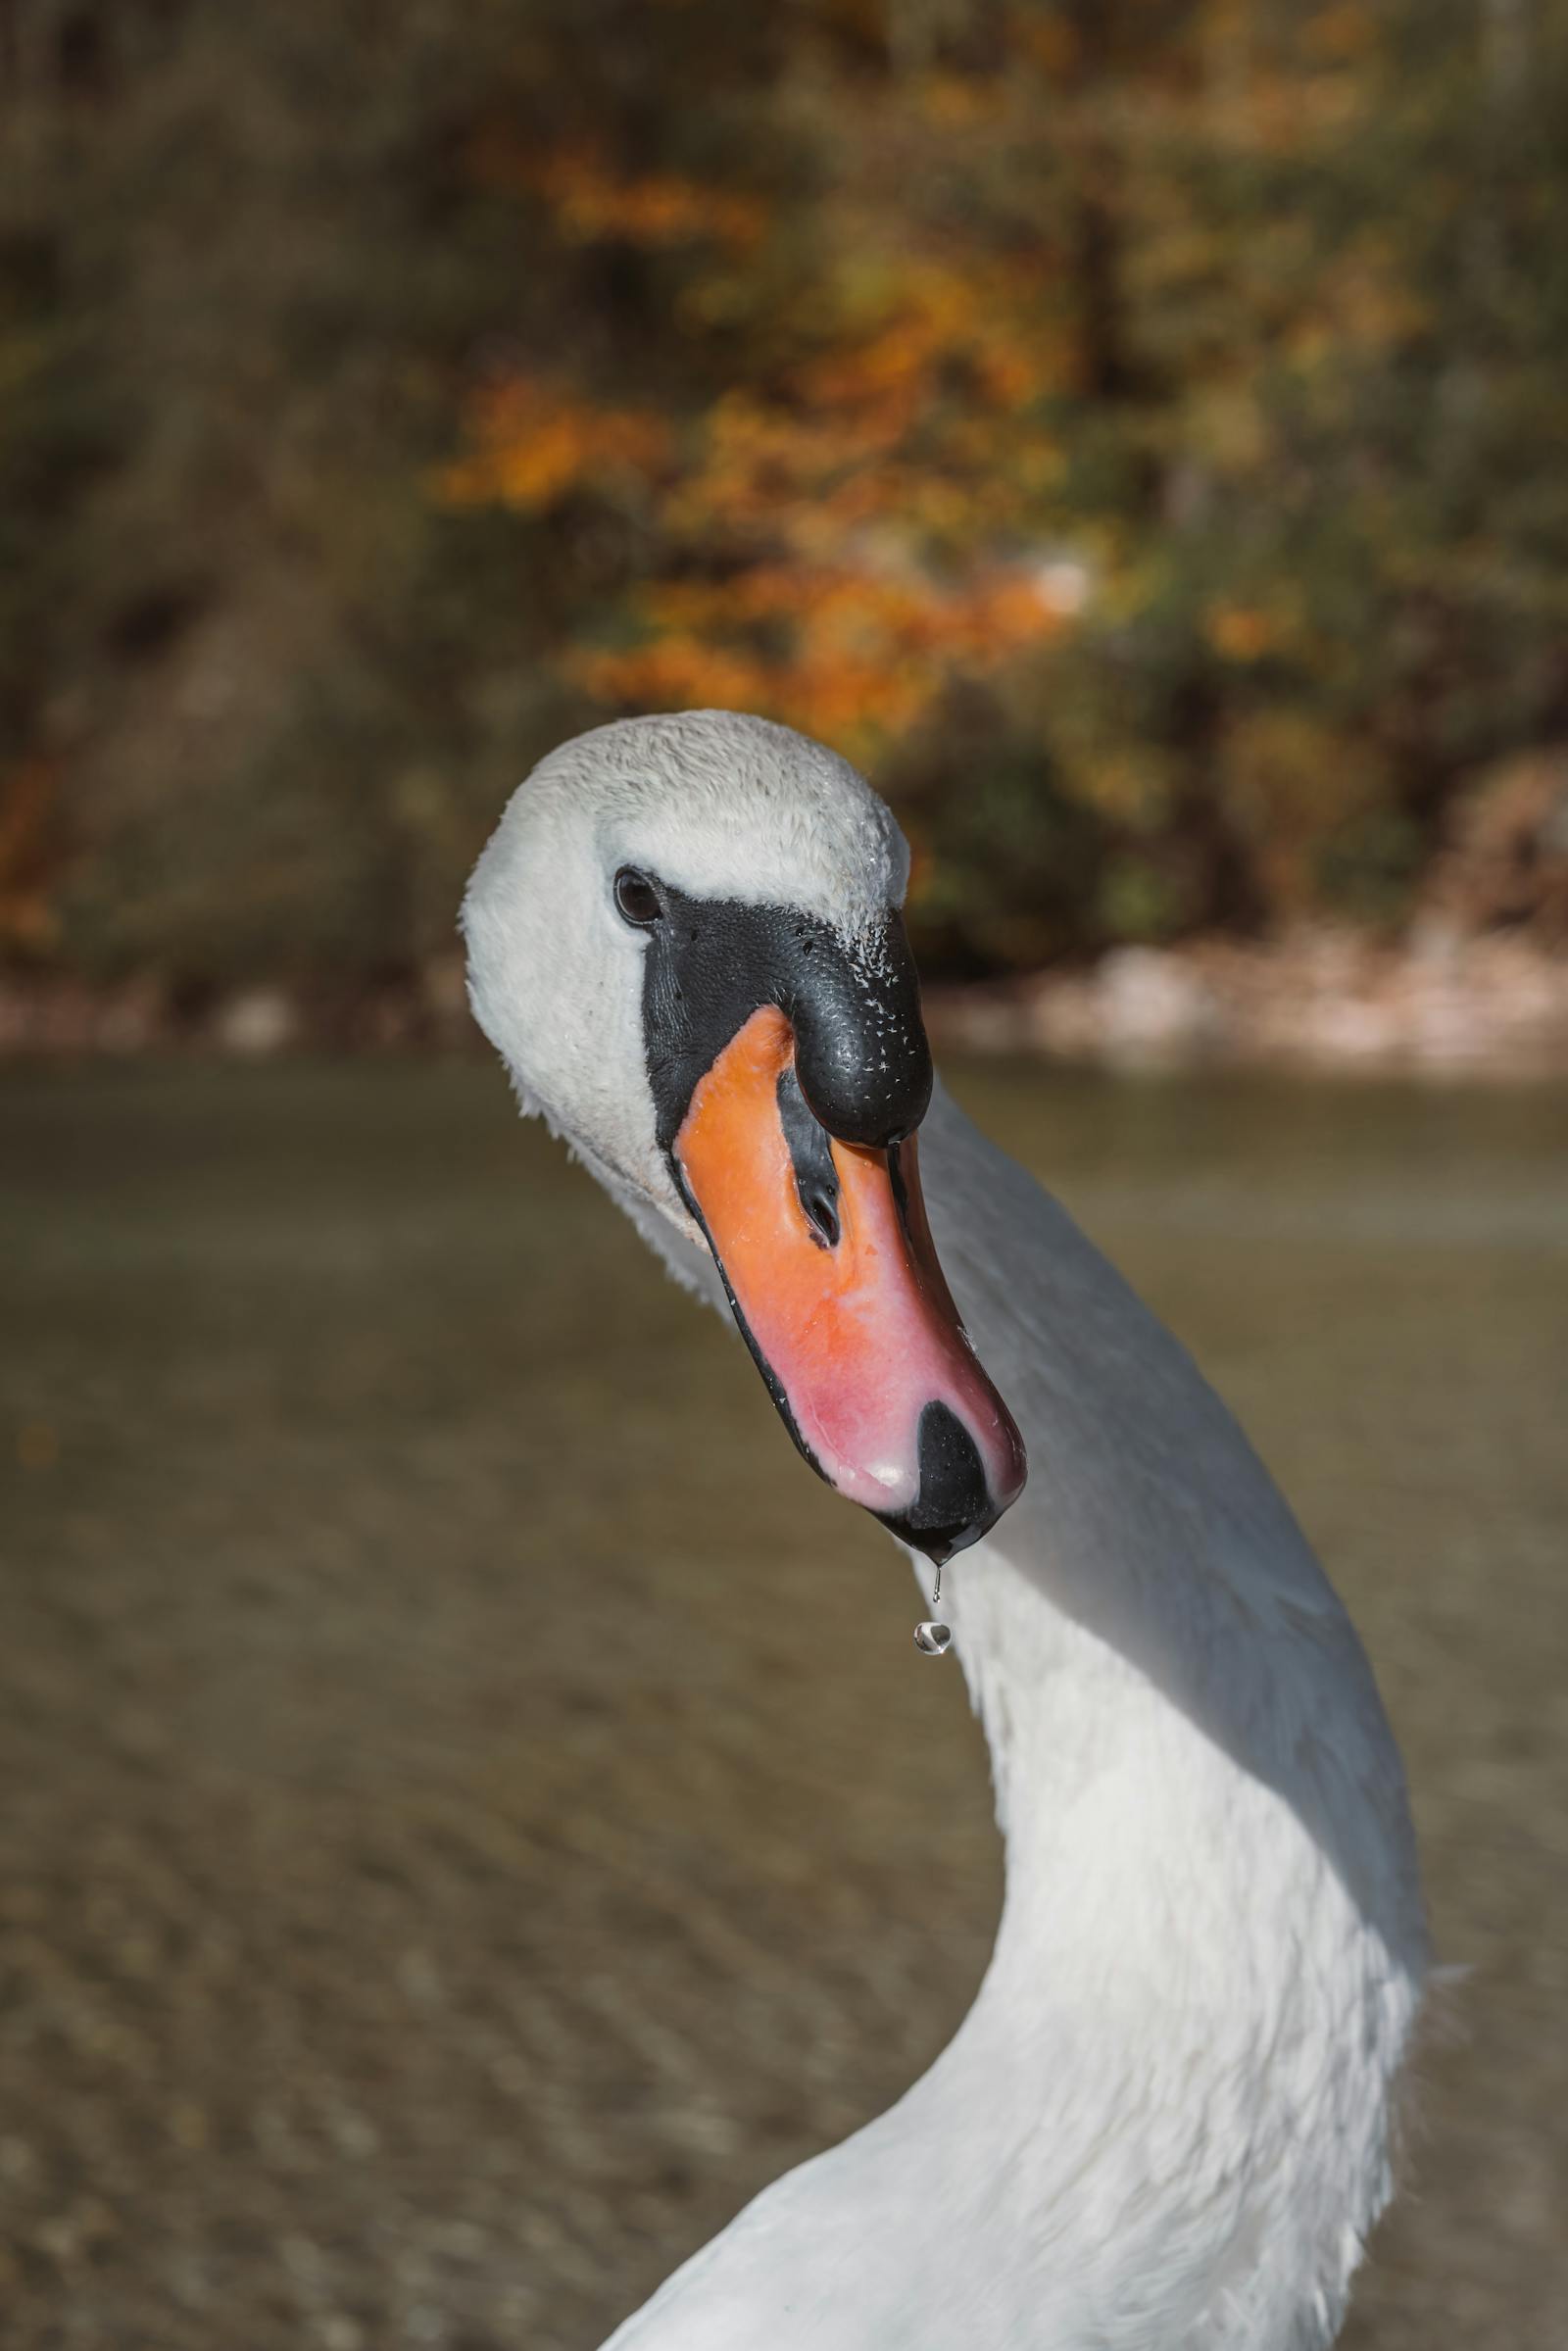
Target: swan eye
(636, 899)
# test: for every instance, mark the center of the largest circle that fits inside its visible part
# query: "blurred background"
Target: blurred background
(1132, 429)
(1136, 428)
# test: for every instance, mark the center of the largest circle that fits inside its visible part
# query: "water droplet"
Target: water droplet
(931, 1639)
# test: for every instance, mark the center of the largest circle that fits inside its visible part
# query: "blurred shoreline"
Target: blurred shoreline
(1317, 1001)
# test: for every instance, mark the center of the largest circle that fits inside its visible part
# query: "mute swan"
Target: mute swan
(1165, 2121)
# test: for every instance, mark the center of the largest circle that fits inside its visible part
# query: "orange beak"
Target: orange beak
(853, 1328)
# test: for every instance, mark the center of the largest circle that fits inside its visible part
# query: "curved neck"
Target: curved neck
(1212, 1933)
(1164, 1675)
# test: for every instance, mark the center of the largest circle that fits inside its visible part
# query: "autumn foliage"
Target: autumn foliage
(1132, 427)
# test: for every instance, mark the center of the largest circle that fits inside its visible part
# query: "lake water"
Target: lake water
(475, 1812)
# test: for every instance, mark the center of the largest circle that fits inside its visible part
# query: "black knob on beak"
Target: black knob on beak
(861, 1050)
(853, 1001)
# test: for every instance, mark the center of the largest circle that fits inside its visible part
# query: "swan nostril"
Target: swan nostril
(816, 1182)
(821, 1213)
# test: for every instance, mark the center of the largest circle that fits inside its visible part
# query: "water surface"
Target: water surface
(474, 1810)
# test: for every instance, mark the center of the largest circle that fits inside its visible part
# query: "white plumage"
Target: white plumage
(1166, 2123)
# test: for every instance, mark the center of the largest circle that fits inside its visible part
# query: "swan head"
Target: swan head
(685, 941)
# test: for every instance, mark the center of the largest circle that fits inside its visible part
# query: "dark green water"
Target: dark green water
(473, 1812)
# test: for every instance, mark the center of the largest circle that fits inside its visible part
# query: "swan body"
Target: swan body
(1166, 2123)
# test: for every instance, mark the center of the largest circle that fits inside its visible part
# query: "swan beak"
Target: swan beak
(828, 1260)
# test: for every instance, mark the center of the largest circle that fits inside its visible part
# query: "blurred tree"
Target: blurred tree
(1135, 425)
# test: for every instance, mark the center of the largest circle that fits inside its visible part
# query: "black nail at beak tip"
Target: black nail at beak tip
(953, 1506)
